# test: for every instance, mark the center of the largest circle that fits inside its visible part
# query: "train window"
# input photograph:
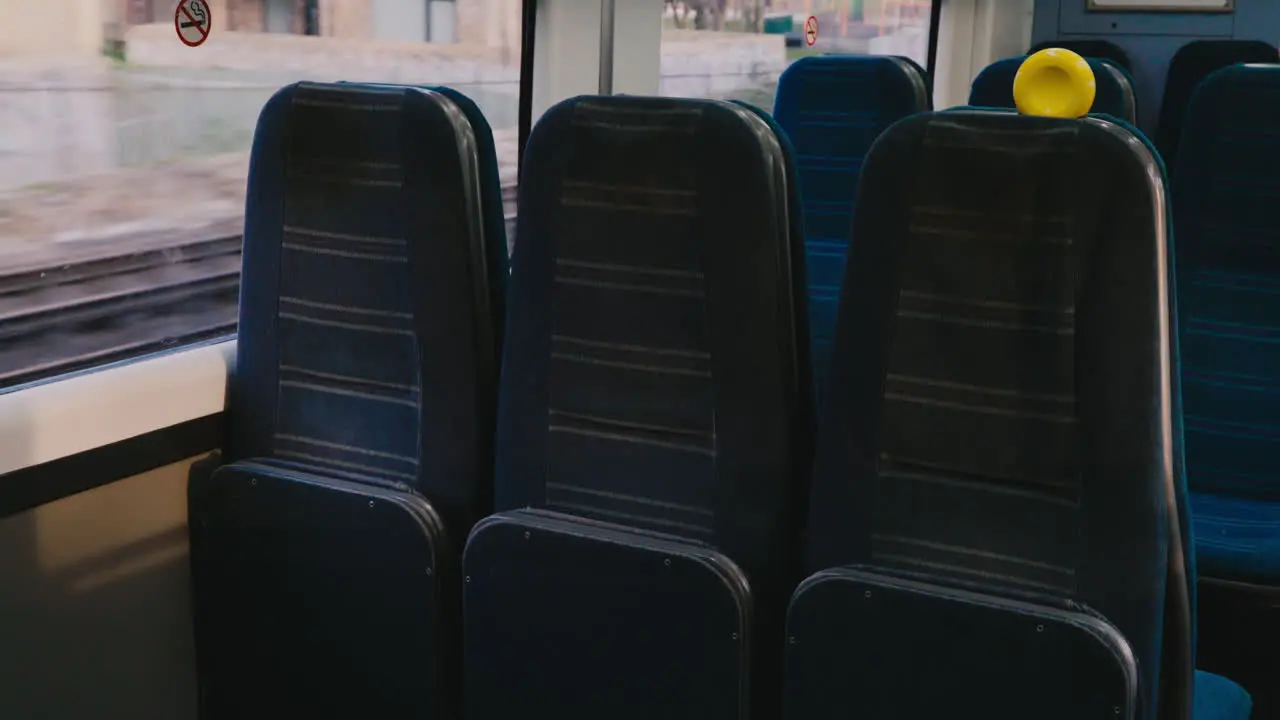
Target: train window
(124, 150)
(736, 49)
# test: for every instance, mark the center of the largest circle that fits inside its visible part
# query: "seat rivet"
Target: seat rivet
(1039, 628)
(526, 534)
(667, 562)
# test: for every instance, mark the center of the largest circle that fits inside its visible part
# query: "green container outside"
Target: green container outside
(778, 24)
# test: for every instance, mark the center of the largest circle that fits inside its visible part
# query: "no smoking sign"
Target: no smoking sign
(811, 31)
(192, 20)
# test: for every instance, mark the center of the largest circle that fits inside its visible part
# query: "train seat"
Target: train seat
(1115, 97)
(653, 421)
(1191, 64)
(1090, 48)
(325, 551)
(833, 107)
(995, 498)
(1229, 315)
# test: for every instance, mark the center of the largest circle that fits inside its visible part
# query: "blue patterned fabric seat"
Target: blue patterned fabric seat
(1229, 316)
(833, 107)
(1191, 64)
(654, 422)
(996, 500)
(361, 410)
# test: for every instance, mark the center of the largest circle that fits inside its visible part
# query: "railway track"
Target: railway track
(60, 319)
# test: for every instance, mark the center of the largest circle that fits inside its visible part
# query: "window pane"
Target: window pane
(124, 152)
(736, 49)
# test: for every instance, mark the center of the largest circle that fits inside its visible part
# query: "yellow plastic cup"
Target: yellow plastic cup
(1054, 83)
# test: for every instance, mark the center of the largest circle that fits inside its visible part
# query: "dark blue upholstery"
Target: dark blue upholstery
(1182, 608)
(490, 196)
(994, 88)
(325, 553)
(1190, 65)
(999, 421)
(1089, 47)
(1182, 588)
(653, 424)
(1236, 537)
(1217, 698)
(371, 295)
(833, 107)
(1214, 696)
(1229, 296)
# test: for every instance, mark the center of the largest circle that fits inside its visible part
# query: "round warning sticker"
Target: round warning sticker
(811, 31)
(192, 20)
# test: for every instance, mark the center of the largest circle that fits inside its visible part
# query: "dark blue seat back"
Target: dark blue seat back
(994, 88)
(1000, 410)
(651, 375)
(655, 415)
(833, 108)
(1191, 64)
(1091, 48)
(372, 292)
(1229, 316)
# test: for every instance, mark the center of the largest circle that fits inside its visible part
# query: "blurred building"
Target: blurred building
(58, 28)
(484, 22)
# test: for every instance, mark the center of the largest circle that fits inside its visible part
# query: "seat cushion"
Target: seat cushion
(1217, 698)
(1237, 537)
